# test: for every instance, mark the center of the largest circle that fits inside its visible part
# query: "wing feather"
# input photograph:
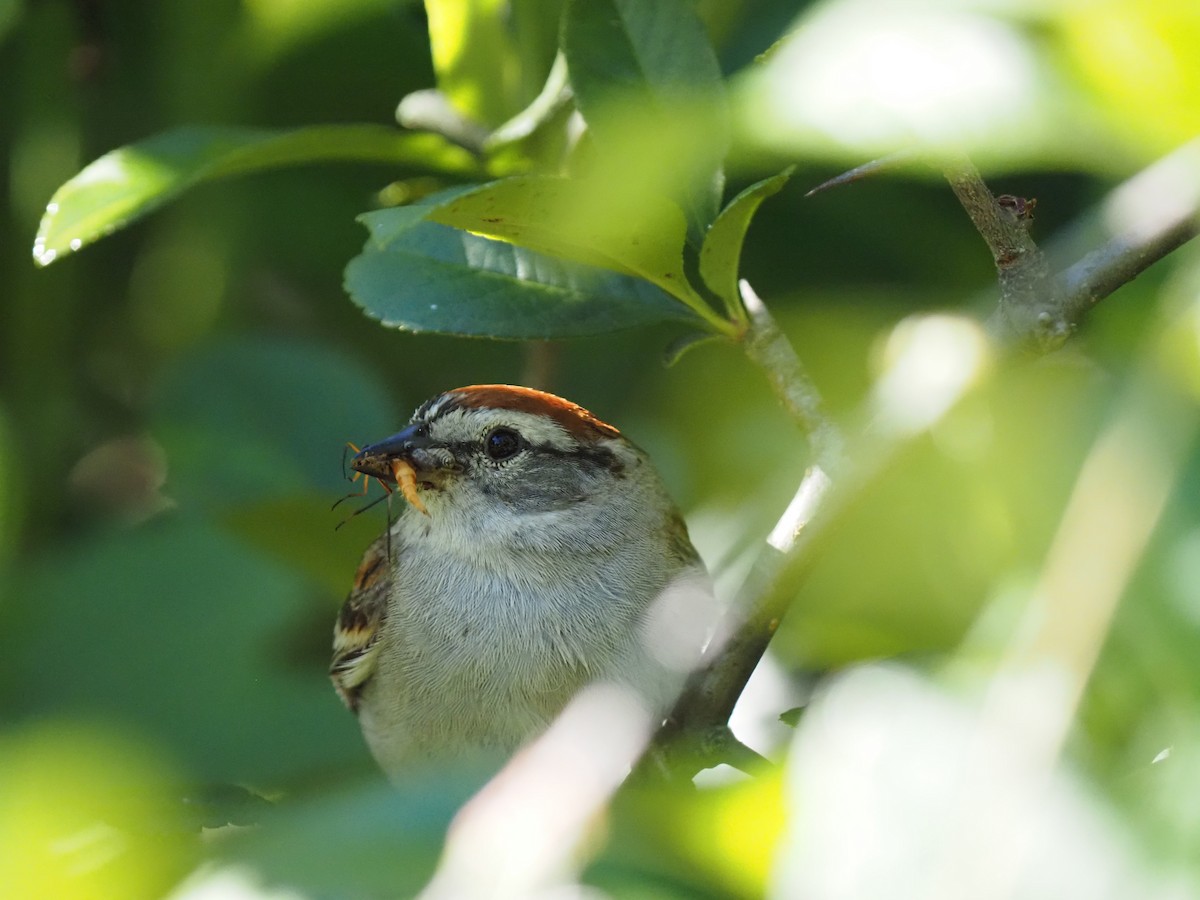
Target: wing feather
(356, 633)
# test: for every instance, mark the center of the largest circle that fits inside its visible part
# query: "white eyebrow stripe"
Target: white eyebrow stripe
(471, 424)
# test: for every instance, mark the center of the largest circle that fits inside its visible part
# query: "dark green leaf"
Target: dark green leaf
(10, 11)
(320, 541)
(421, 276)
(125, 184)
(216, 805)
(369, 840)
(721, 254)
(179, 607)
(651, 55)
(254, 419)
(10, 507)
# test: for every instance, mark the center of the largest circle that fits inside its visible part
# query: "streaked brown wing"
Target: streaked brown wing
(356, 633)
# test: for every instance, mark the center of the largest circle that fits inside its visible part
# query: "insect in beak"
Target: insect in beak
(406, 482)
(404, 475)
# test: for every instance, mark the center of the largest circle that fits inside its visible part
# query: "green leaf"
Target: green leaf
(226, 452)
(320, 542)
(125, 184)
(420, 276)
(722, 251)
(474, 58)
(10, 13)
(361, 839)
(652, 55)
(568, 218)
(10, 493)
(181, 633)
(681, 345)
(550, 101)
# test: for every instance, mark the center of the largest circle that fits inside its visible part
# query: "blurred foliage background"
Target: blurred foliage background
(174, 402)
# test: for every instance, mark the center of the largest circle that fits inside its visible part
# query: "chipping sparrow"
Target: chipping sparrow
(526, 565)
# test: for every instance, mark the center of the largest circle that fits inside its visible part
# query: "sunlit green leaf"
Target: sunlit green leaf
(623, 53)
(87, 812)
(421, 276)
(127, 183)
(474, 58)
(1139, 62)
(981, 497)
(722, 251)
(711, 843)
(568, 218)
(552, 215)
(858, 80)
(549, 102)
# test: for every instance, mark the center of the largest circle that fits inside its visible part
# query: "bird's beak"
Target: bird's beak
(409, 445)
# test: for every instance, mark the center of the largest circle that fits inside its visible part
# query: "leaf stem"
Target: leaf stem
(697, 304)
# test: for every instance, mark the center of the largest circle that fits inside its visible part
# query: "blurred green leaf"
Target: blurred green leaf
(681, 345)
(976, 502)
(371, 840)
(474, 58)
(217, 805)
(127, 183)
(9, 497)
(248, 419)
(1138, 61)
(720, 257)
(325, 544)
(567, 218)
(421, 276)
(716, 842)
(10, 11)
(553, 98)
(854, 80)
(653, 55)
(183, 633)
(88, 812)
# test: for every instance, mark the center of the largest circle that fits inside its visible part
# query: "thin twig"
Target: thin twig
(768, 347)
(1152, 214)
(1030, 299)
(713, 691)
(1117, 263)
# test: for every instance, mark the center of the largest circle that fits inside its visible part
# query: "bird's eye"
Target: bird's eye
(502, 443)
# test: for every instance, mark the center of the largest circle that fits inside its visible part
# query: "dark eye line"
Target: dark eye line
(596, 456)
